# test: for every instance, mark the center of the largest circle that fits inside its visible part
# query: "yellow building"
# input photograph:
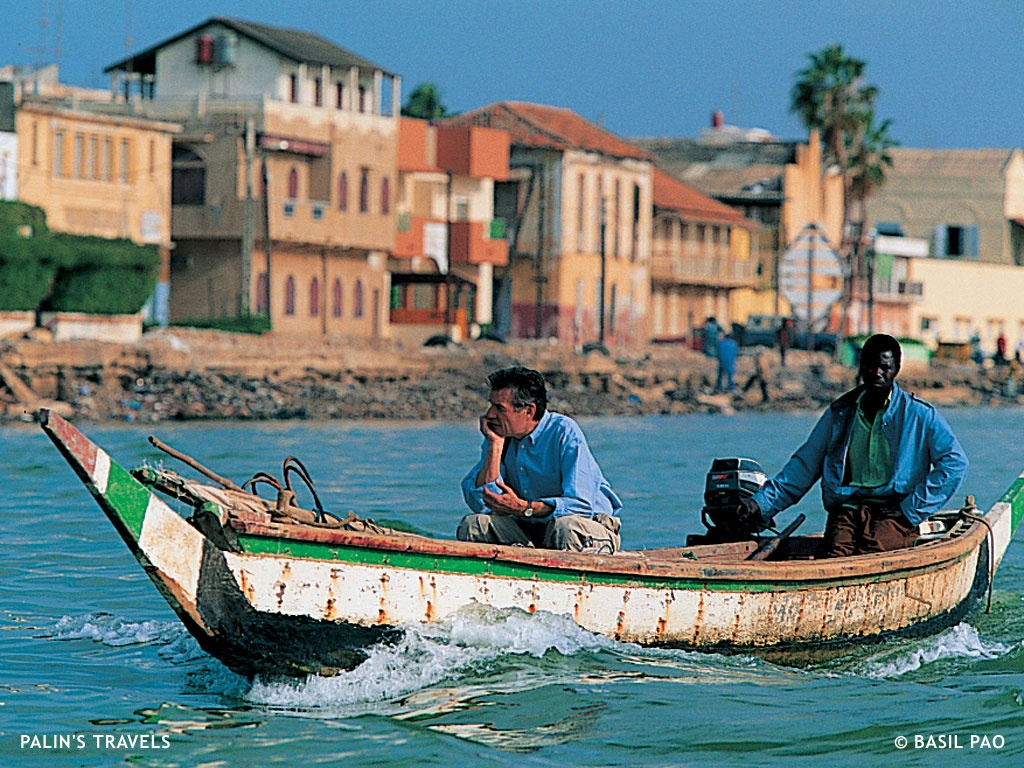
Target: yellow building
(579, 203)
(703, 252)
(321, 125)
(96, 174)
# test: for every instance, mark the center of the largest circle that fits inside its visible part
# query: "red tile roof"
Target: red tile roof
(671, 194)
(537, 125)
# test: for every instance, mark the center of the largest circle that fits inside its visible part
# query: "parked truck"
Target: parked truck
(763, 330)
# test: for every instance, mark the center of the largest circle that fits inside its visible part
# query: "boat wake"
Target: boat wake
(960, 644)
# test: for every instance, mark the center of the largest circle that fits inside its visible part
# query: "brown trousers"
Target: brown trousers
(864, 529)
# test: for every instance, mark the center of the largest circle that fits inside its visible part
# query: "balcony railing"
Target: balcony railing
(716, 269)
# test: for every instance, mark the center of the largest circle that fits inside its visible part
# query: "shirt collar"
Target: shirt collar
(542, 425)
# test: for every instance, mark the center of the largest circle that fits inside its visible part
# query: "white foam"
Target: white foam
(428, 655)
(114, 631)
(961, 642)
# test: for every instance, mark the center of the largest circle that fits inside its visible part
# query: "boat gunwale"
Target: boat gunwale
(881, 566)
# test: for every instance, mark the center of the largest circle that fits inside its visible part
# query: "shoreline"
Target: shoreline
(184, 374)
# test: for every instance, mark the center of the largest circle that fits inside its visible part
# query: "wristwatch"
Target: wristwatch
(528, 512)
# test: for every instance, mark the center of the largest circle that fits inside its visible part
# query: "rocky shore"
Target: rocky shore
(183, 374)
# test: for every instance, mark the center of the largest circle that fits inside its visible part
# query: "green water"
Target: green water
(96, 670)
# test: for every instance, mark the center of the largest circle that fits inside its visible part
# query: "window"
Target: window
(152, 157)
(956, 241)
(58, 154)
(362, 99)
(35, 143)
(616, 206)
(336, 295)
(385, 195)
(261, 294)
(76, 166)
(339, 95)
(314, 298)
(293, 183)
(343, 192)
(289, 296)
(580, 212)
(364, 191)
(90, 158)
(106, 158)
(188, 177)
(318, 92)
(357, 304)
(293, 88)
(123, 172)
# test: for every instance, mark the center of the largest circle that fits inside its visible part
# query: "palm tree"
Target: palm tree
(831, 96)
(425, 103)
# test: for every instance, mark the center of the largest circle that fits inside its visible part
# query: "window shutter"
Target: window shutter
(940, 241)
(972, 242)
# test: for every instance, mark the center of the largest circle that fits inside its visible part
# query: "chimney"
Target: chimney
(717, 119)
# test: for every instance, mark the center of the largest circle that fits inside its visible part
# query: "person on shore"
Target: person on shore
(784, 337)
(536, 484)
(727, 352)
(886, 460)
(712, 330)
(760, 375)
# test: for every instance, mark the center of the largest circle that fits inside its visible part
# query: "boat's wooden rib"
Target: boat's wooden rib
(265, 594)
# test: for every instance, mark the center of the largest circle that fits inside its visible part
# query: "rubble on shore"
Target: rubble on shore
(184, 374)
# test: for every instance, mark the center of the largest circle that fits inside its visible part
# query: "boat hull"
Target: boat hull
(292, 599)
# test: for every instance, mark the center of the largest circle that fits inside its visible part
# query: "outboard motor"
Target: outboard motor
(727, 483)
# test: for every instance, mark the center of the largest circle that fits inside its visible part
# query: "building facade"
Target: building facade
(283, 180)
(448, 242)
(579, 207)
(703, 253)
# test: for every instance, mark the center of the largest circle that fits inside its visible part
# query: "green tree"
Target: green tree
(425, 103)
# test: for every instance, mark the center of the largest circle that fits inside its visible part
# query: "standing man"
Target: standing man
(887, 461)
(727, 353)
(537, 483)
(784, 339)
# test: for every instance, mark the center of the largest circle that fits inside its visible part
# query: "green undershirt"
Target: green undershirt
(869, 462)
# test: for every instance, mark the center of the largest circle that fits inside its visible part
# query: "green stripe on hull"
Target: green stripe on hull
(433, 563)
(1014, 496)
(127, 498)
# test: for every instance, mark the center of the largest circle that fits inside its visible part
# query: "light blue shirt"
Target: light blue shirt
(928, 461)
(552, 464)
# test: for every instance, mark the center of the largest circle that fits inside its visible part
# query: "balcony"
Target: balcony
(712, 267)
(477, 242)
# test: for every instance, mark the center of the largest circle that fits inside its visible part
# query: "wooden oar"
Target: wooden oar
(156, 442)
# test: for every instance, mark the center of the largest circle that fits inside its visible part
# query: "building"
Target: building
(702, 253)
(97, 174)
(780, 184)
(283, 179)
(962, 213)
(448, 242)
(579, 207)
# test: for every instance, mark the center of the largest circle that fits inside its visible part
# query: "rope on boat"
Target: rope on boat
(970, 512)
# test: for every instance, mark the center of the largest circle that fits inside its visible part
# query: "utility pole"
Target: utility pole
(244, 303)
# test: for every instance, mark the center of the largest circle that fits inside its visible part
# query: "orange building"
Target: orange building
(448, 241)
(578, 204)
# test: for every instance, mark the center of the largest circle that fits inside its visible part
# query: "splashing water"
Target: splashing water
(961, 642)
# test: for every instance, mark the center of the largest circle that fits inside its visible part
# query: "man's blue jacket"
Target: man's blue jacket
(928, 461)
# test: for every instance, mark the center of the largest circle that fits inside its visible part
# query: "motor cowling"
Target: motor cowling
(728, 482)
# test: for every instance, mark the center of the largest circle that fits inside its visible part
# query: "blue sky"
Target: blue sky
(948, 71)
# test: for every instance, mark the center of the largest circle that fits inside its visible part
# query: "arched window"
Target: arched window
(357, 304)
(385, 195)
(293, 183)
(336, 296)
(289, 296)
(314, 297)
(261, 294)
(364, 191)
(343, 192)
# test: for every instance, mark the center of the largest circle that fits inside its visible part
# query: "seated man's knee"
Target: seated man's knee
(474, 527)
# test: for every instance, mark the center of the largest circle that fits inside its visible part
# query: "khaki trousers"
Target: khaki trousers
(597, 535)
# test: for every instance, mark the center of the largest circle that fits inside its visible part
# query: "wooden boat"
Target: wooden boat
(266, 593)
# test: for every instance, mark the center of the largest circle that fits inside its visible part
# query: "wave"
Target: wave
(114, 631)
(961, 643)
(476, 642)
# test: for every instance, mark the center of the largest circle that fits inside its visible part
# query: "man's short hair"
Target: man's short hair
(876, 345)
(527, 387)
